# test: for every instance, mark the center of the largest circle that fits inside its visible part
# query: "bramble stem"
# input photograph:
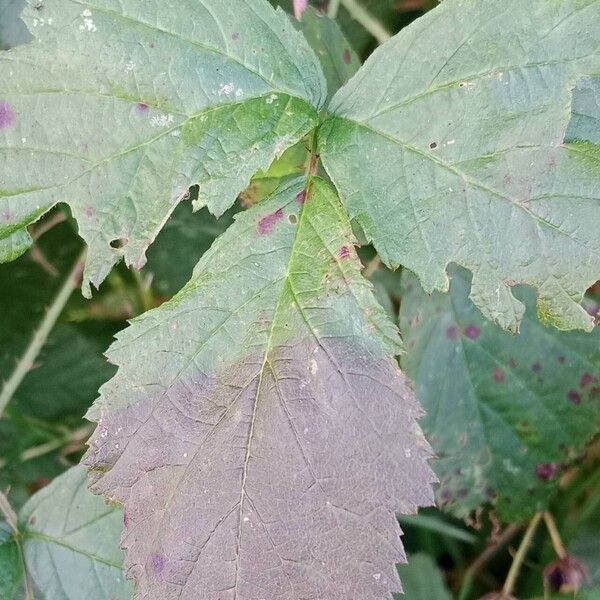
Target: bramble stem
(41, 334)
(515, 568)
(557, 544)
(332, 9)
(367, 20)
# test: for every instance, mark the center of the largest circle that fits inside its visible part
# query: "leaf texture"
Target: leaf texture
(506, 414)
(70, 542)
(119, 106)
(258, 431)
(447, 146)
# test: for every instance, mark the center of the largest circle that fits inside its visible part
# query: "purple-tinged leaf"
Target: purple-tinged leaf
(259, 432)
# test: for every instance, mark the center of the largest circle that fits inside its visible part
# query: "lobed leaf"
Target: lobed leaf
(119, 106)
(505, 414)
(258, 431)
(70, 542)
(448, 146)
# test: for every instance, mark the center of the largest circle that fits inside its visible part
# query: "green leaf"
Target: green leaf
(505, 413)
(338, 59)
(422, 580)
(11, 571)
(585, 112)
(258, 430)
(447, 146)
(118, 107)
(12, 29)
(71, 542)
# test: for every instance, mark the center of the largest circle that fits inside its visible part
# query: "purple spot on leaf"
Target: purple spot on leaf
(536, 367)
(142, 108)
(344, 252)
(158, 562)
(574, 397)
(546, 471)
(301, 197)
(498, 375)
(452, 332)
(472, 332)
(587, 379)
(7, 116)
(347, 56)
(88, 211)
(267, 224)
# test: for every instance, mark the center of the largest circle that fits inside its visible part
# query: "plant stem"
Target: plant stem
(557, 544)
(367, 20)
(515, 568)
(485, 557)
(6, 510)
(332, 9)
(41, 334)
(372, 267)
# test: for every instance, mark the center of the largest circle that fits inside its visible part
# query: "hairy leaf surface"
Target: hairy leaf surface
(119, 106)
(505, 413)
(447, 146)
(259, 431)
(71, 542)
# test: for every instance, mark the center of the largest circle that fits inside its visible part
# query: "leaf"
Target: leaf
(423, 580)
(585, 112)
(505, 413)
(71, 542)
(338, 60)
(11, 572)
(12, 29)
(262, 451)
(118, 107)
(447, 146)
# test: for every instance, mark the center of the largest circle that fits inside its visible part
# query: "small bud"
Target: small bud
(565, 575)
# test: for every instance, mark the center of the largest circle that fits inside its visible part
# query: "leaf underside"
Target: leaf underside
(258, 431)
(118, 107)
(448, 146)
(70, 542)
(506, 414)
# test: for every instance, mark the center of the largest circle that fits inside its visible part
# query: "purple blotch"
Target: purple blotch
(562, 360)
(452, 332)
(498, 375)
(158, 562)
(267, 224)
(344, 252)
(546, 471)
(472, 332)
(347, 56)
(7, 115)
(586, 379)
(574, 397)
(88, 211)
(142, 108)
(301, 197)
(536, 367)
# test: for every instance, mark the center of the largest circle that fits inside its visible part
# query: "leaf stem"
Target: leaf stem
(41, 334)
(332, 9)
(482, 560)
(367, 20)
(9, 514)
(515, 568)
(372, 267)
(557, 544)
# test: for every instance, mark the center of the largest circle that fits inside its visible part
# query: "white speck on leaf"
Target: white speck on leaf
(226, 89)
(162, 120)
(314, 367)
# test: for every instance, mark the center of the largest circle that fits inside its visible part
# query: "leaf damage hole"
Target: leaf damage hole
(119, 243)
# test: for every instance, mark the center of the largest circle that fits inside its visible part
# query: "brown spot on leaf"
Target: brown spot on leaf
(562, 360)
(574, 396)
(347, 56)
(587, 379)
(452, 332)
(536, 367)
